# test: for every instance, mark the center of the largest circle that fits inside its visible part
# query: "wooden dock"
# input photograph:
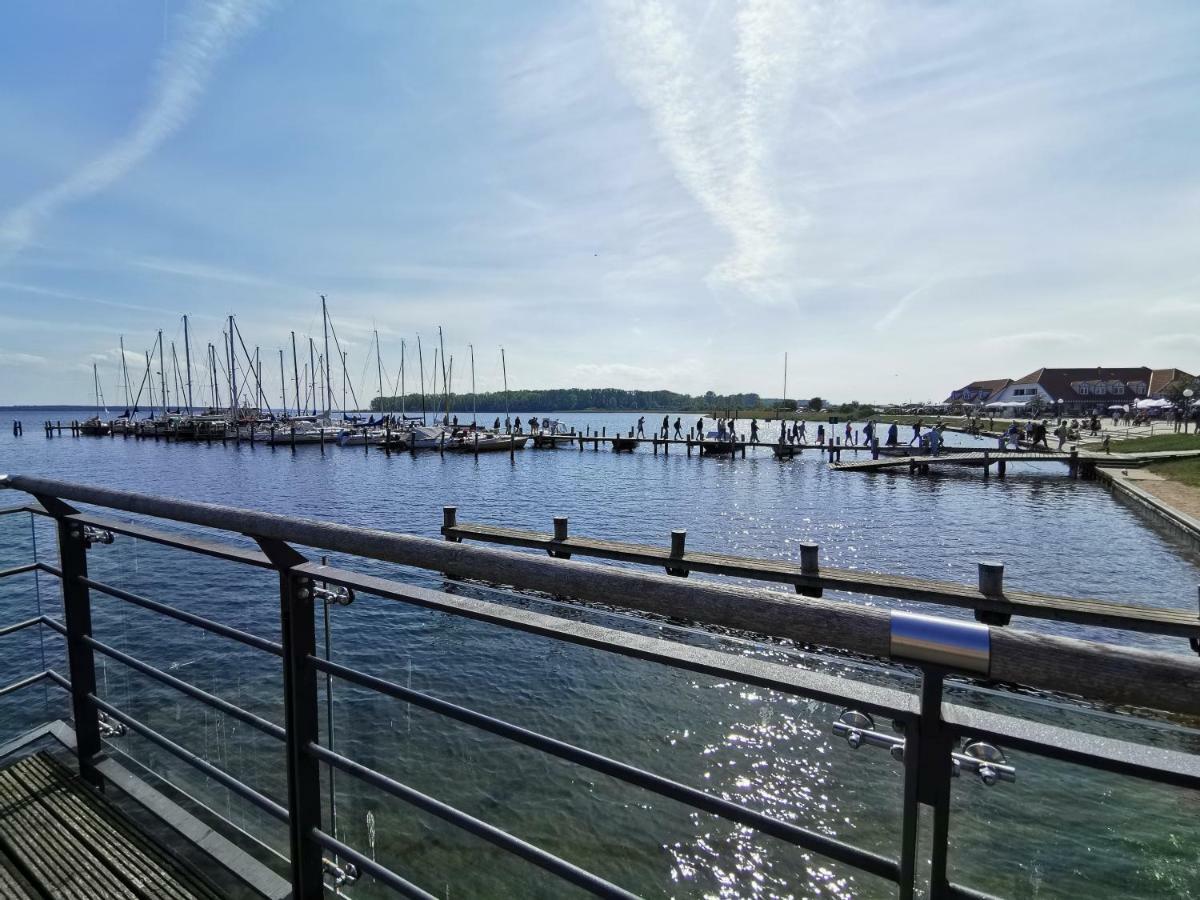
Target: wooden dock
(991, 602)
(61, 839)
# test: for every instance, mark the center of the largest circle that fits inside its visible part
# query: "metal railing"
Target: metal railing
(934, 740)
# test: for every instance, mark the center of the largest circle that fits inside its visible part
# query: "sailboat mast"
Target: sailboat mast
(258, 380)
(312, 374)
(421, 363)
(473, 410)
(445, 383)
(379, 370)
(504, 369)
(212, 370)
(149, 380)
(343, 384)
(234, 397)
(125, 372)
(96, 387)
(402, 414)
(295, 373)
(187, 356)
(328, 385)
(282, 384)
(785, 378)
(162, 373)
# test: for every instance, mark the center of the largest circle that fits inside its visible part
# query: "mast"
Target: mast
(344, 385)
(212, 369)
(504, 369)
(785, 378)
(258, 380)
(282, 384)
(96, 387)
(473, 411)
(187, 356)
(149, 379)
(233, 391)
(125, 371)
(175, 374)
(379, 369)
(162, 374)
(328, 385)
(445, 383)
(402, 415)
(295, 373)
(421, 363)
(312, 373)
(448, 383)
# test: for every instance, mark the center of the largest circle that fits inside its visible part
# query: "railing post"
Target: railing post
(301, 713)
(77, 618)
(810, 554)
(678, 544)
(936, 766)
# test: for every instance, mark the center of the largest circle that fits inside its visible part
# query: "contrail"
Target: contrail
(206, 34)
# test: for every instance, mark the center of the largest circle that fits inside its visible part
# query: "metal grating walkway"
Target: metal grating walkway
(61, 839)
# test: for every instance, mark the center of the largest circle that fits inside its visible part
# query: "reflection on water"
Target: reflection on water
(770, 751)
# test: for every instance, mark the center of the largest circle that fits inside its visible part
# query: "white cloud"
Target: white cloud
(721, 113)
(184, 69)
(13, 359)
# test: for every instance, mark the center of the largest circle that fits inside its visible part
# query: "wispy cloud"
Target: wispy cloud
(888, 318)
(203, 272)
(1035, 339)
(719, 113)
(13, 359)
(205, 35)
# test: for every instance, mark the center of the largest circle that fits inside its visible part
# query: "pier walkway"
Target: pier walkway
(991, 601)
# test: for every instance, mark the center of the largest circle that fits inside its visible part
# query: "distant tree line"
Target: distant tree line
(579, 400)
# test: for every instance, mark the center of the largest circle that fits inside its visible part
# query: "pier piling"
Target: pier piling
(678, 540)
(991, 585)
(810, 565)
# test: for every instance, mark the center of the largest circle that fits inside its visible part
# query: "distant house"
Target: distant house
(1084, 391)
(978, 392)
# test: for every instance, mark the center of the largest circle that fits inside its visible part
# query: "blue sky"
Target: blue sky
(902, 196)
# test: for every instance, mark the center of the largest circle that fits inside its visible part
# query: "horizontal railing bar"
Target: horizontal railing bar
(665, 787)
(1159, 764)
(590, 882)
(54, 625)
(368, 865)
(191, 690)
(251, 640)
(825, 688)
(1098, 613)
(20, 626)
(262, 801)
(12, 510)
(959, 892)
(49, 569)
(1102, 672)
(62, 682)
(181, 541)
(23, 683)
(19, 570)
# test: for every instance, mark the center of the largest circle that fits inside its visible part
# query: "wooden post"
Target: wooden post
(655, 440)
(442, 445)
(252, 426)
(512, 446)
(809, 565)
(272, 437)
(874, 447)
(293, 437)
(476, 434)
(449, 520)
(678, 540)
(560, 534)
(987, 464)
(1073, 464)
(1000, 469)
(991, 585)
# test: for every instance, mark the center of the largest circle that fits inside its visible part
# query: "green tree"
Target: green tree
(816, 404)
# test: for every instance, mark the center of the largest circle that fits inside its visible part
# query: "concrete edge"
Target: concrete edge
(1180, 522)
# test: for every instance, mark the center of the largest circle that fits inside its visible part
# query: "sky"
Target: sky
(648, 194)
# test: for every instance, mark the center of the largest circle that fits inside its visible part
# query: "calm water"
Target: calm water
(1087, 832)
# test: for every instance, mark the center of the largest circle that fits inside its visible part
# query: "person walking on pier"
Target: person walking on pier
(821, 435)
(732, 430)
(678, 429)
(893, 435)
(754, 431)
(666, 427)
(641, 429)
(916, 436)
(849, 434)
(721, 430)
(1039, 434)
(802, 436)
(507, 425)
(700, 429)
(496, 427)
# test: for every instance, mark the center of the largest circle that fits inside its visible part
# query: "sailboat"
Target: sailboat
(94, 426)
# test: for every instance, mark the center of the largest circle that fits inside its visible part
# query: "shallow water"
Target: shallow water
(773, 752)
